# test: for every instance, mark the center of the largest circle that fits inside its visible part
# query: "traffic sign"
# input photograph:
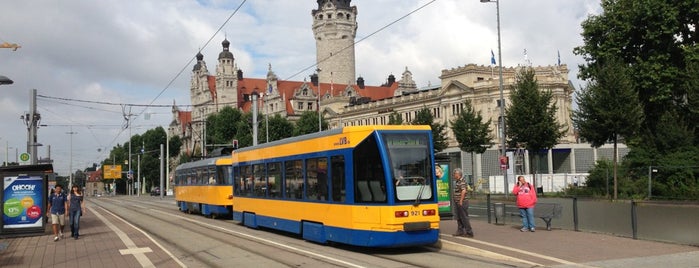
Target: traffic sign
(111, 171)
(24, 158)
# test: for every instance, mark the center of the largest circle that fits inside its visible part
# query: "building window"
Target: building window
(304, 92)
(497, 103)
(310, 106)
(300, 105)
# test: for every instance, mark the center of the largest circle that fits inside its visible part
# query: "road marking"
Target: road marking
(139, 253)
(145, 234)
(562, 261)
(484, 253)
(264, 240)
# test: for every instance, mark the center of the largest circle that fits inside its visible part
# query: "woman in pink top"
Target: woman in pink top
(526, 200)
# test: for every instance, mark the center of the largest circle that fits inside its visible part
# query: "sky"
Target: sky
(91, 62)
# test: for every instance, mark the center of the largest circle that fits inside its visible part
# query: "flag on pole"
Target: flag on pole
(559, 58)
(492, 57)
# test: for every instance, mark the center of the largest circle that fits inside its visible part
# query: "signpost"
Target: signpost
(25, 158)
(112, 171)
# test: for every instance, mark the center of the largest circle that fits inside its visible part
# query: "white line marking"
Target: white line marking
(140, 257)
(264, 240)
(562, 261)
(149, 237)
(485, 253)
(135, 250)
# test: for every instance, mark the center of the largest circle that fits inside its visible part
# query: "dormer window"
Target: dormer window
(304, 92)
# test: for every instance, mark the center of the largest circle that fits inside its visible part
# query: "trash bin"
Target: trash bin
(499, 209)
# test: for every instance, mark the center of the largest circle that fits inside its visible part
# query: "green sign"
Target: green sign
(443, 190)
(24, 157)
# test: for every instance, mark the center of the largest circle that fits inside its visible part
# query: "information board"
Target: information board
(23, 202)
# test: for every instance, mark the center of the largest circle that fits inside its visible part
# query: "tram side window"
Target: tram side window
(212, 175)
(293, 178)
(237, 181)
(274, 179)
(369, 182)
(317, 178)
(260, 181)
(337, 165)
(246, 181)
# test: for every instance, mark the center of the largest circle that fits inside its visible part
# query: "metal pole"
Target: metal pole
(70, 182)
(254, 118)
(138, 175)
(167, 159)
(266, 119)
(650, 175)
(320, 126)
(502, 98)
(129, 172)
(162, 168)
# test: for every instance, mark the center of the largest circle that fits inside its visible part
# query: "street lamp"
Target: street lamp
(71, 133)
(502, 98)
(255, 95)
(5, 81)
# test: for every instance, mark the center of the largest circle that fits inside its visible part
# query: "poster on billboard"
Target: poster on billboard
(443, 192)
(23, 202)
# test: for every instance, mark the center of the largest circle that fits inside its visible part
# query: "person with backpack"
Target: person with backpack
(526, 200)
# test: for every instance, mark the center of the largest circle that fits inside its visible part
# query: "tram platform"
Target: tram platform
(107, 241)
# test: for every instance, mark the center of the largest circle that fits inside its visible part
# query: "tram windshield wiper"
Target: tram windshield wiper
(418, 198)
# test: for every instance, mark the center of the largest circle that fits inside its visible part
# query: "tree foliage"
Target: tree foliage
(221, 126)
(531, 118)
(472, 134)
(395, 119)
(656, 42)
(308, 123)
(279, 128)
(608, 107)
(439, 132)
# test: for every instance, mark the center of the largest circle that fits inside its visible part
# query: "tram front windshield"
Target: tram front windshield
(411, 165)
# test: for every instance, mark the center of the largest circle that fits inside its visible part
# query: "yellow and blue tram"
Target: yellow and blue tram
(369, 186)
(205, 186)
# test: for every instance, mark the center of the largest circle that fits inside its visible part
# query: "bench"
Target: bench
(545, 211)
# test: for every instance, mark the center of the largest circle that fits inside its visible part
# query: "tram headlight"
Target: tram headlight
(230, 196)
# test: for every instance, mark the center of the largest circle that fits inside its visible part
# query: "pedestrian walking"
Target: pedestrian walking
(76, 209)
(461, 204)
(58, 205)
(526, 200)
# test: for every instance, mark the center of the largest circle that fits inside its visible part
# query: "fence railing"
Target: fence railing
(672, 222)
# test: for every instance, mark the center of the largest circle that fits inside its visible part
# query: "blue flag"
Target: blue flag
(492, 57)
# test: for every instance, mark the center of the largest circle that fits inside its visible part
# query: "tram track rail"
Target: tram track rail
(276, 248)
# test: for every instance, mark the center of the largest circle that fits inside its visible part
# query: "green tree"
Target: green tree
(308, 123)
(472, 134)
(531, 118)
(439, 131)
(654, 38)
(244, 133)
(278, 128)
(657, 41)
(395, 119)
(221, 127)
(608, 108)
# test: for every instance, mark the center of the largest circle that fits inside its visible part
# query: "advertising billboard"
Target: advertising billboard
(443, 188)
(23, 202)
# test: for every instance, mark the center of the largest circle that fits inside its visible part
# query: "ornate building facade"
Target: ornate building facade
(345, 100)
